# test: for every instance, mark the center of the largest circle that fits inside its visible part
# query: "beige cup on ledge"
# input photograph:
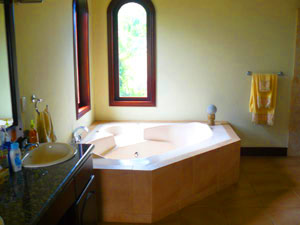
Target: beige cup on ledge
(211, 110)
(211, 119)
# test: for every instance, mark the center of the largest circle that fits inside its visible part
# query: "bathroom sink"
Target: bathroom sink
(48, 154)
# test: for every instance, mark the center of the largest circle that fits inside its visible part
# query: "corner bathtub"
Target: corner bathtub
(146, 171)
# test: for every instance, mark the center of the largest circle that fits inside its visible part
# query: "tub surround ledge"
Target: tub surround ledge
(146, 196)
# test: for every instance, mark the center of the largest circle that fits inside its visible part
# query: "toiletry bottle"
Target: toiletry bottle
(3, 160)
(33, 135)
(6, 135)
(1, 153)
(6, 148)
(2, 136)
(13, 135)
(1, 144)
(15, 157)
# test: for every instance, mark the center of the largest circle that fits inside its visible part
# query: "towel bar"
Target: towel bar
(249, 73)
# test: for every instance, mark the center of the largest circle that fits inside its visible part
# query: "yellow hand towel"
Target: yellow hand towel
(264, 82)
(45, 127)
(263, 98)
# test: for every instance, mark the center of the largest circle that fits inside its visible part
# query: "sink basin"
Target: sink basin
(48, 154)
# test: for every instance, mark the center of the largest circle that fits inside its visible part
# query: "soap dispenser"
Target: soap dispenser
(33, 134)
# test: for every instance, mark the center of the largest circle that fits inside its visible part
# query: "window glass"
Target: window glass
(132, 41)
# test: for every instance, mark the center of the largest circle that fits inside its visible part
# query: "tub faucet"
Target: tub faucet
(77, 137)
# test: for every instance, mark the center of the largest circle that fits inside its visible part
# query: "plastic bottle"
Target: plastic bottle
(33, 135)
(6, 149)
(2, 141)
(3, 157)
(2, 135)
(6, 135)
(15, 157)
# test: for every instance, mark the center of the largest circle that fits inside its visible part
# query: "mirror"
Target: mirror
(9, 89)
(6, 113)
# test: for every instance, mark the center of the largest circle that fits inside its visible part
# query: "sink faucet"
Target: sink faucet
(35, 145)
(27, 147)
(77, 137)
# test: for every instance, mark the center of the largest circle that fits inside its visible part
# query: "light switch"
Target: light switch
(23, 103)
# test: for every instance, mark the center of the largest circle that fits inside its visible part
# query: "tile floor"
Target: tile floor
(268, 193)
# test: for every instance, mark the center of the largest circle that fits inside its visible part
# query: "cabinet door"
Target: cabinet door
(83, 176)
(86, 205)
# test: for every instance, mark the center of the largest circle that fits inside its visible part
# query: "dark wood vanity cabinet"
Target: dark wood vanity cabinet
(77, 203)
(86, 205)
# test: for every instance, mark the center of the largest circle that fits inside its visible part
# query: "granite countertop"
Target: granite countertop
(26, 195)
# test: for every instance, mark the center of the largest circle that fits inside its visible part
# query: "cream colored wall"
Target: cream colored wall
(204, 49)
(44, 36)
(5, 95)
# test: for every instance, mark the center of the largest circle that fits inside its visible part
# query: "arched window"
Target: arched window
(131, 52)
(81, 57)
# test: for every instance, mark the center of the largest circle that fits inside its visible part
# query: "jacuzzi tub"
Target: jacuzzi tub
(146, 171)
(147, 146)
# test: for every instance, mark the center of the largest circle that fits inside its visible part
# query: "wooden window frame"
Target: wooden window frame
(113, 55)
(81, 57)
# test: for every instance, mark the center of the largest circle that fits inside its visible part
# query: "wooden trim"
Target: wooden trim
(81, 56)
(83, 112)
(113, 55)
(263, 151)
(12, 61)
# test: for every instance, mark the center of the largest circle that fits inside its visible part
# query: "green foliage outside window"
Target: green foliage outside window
(132, 36)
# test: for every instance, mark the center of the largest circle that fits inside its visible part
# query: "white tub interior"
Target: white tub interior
(146, 146)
